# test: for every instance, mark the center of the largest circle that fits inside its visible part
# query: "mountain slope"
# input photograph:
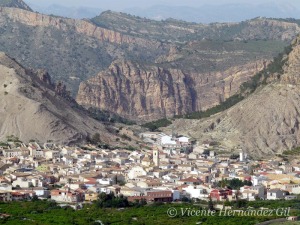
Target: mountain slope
(15, 4)
(266, 122)
(31, 108)
(176, 30)
(217, 57)
(144, 93)
(71, 50)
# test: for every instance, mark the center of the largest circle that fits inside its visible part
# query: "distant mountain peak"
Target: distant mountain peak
(15, 4)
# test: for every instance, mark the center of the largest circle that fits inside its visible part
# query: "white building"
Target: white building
(274, 194)
(136, 171)
(195, 192)
(167, 141)
(258, 180)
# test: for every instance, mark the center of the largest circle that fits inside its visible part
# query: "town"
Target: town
(172, 169)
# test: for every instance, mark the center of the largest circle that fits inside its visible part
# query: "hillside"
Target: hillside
(176, 30)
(15, 4)
(32, 107)
(267, 122)
(144, 93)
(215, 58)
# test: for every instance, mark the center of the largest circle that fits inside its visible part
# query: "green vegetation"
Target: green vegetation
(295, 151)
(125, 137)
(275, 67)
(234, 184)
(48, 213)
(219, 108)
(234, 156)
(12, 138)
(260, 79)
(286, 223)
(2, 144)
(153, 126)
(273, 204)
(112, 201)
(5, 93)
(105, 116)
(96, 138)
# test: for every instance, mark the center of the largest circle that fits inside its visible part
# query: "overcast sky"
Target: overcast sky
(122, 4)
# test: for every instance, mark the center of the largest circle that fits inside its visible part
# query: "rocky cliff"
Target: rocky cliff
(194, 66)
(31, 108)
(80, 26)
(258, 28)
(267, 122)
(71, 50)
(151, 92)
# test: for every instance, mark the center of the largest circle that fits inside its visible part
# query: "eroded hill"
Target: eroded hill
(266, 122)
(32, 107)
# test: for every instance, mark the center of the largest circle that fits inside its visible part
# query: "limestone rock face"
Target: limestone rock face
(291, 68)
(267, 122)
(81, 26)
(150, 92)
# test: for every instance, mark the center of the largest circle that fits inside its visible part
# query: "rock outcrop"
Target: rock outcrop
(80, 26)
(150, 92)
(258, 28)
(267, 122)
(192, 66)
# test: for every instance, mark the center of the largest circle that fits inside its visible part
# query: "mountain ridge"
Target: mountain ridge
(74, 51)
(15, 4)
(264, 123)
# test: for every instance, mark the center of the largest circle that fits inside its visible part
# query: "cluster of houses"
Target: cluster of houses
(171, 170)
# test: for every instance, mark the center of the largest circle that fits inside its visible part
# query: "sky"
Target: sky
(122, 4)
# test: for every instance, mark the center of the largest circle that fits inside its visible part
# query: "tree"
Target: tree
(185, 199)
(248, 183)
(95, 138)
(35, 198)
(234, 156)
(206, 152)
(222, 183)
(210, 204)
(110, 200)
